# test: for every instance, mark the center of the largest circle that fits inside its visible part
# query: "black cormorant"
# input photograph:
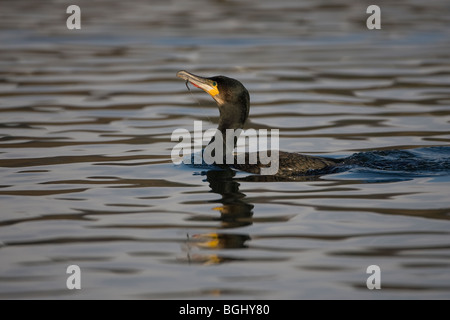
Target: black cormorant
(233, 100)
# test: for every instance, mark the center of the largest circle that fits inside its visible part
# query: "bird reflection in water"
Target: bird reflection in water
(234, 211)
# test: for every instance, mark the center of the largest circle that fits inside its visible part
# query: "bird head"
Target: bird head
(230, 95)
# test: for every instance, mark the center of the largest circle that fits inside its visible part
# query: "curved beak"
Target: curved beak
(205, 84)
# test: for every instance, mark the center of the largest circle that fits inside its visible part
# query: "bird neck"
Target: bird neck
(227, 142)
(232, 116)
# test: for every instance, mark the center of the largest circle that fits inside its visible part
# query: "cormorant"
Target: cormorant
(233, 100)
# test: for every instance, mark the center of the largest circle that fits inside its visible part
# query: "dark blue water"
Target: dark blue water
(401, 164)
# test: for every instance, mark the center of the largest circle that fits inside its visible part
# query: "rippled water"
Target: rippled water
(86, 176)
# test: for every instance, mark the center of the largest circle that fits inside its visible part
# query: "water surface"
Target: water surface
(86, 175)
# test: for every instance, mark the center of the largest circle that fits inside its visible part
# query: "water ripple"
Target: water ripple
(86, 119)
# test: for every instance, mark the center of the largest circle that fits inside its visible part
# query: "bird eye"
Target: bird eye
(214, 84)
